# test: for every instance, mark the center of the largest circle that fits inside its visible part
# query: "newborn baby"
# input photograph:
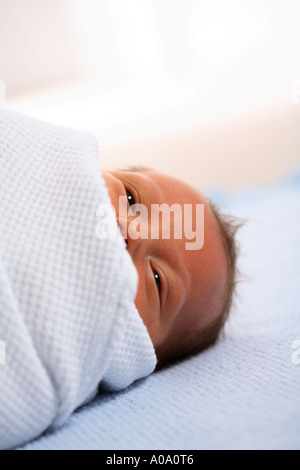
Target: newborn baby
(77, 311)
(184, 296)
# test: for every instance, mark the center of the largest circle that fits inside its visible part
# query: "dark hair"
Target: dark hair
(228, 226)
(201, 338)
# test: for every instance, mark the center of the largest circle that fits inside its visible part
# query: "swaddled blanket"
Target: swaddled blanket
(67, 314)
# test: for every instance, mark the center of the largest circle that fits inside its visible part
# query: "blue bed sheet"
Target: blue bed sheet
(243, 393)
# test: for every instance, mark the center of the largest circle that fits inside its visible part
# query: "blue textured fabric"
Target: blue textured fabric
(243, 393)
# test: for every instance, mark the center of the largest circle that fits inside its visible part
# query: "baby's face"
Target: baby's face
(178, 288)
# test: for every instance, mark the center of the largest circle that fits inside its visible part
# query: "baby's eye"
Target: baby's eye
(157, 280)
(130, 198)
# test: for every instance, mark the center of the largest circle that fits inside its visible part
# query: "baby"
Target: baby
(184, 296)
(68, 319)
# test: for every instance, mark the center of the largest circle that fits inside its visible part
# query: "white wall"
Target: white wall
(205, 89)
(38, 44)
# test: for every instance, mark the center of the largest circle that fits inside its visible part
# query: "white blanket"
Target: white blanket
(67, 314)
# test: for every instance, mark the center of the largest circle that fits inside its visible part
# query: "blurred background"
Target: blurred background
(206, 90)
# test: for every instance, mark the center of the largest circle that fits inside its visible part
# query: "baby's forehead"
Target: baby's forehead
(170, 187)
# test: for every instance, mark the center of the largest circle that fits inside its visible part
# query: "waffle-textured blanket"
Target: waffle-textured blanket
(67, 315)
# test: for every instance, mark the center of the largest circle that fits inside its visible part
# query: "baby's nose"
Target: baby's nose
(133, 232)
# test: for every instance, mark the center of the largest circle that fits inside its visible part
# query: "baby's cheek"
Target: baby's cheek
(148, 316)
(143, 307)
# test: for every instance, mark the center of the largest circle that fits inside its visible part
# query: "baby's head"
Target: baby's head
(184, 295)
